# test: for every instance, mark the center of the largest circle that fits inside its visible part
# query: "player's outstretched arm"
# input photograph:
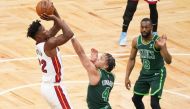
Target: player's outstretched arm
(131, 63)
(93, 73)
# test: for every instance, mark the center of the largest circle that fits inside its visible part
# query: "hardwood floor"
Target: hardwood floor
(96, 23)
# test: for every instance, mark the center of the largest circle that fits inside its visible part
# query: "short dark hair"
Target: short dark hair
(146, 19)
(33, 29)
(110, 62)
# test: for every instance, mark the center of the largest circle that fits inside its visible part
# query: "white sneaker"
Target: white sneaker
(123, 39)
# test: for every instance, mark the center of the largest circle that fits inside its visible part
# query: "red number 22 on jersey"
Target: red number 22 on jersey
(43, 65)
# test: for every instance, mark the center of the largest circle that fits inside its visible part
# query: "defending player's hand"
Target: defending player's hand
(161, 42)
(127, 84)
(94, 55)
(46, 17)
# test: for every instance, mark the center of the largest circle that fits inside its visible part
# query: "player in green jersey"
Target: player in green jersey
(101, 80)
(153, 52)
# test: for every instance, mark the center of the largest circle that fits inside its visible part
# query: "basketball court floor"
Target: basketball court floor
(96, 24)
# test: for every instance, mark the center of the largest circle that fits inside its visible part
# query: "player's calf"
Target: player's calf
(155, 102)
(137, 100)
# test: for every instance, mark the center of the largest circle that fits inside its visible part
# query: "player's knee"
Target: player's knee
(132, 6)
(130, 10)
(155, 102)
(136, 99)
(153, 8)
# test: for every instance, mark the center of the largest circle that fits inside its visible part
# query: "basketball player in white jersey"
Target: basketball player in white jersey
(50, 58)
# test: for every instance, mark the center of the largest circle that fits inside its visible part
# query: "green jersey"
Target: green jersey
(150, 57)
(98, 95)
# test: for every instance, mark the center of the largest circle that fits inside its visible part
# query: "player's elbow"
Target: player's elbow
(169, 61)
(67, 31)
(70, 34)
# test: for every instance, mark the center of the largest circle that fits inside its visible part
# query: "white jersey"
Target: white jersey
(51, 67)
(51, 88)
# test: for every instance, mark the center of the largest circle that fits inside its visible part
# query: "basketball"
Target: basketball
(44, 6)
